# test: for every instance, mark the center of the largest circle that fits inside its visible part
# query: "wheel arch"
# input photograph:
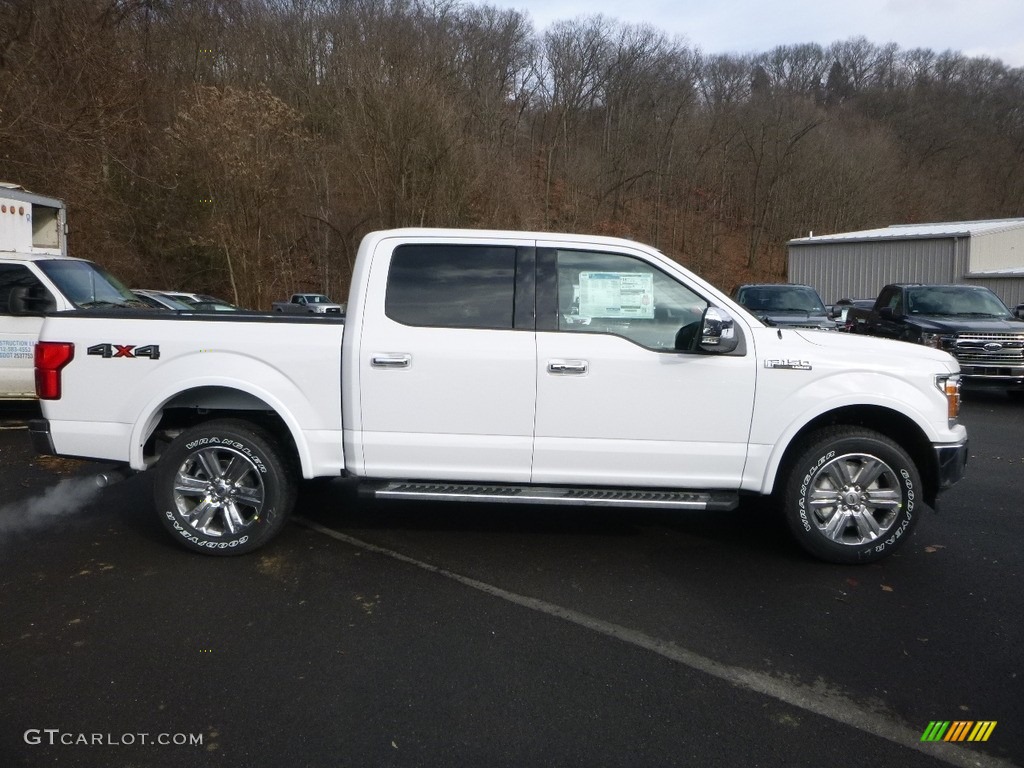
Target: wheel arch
(198, 404)
(893, 424)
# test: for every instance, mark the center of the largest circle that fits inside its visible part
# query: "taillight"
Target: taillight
(51, 357)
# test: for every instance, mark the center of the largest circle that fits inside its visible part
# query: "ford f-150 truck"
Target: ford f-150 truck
(308, 303)
(509, 367)
(968, 321)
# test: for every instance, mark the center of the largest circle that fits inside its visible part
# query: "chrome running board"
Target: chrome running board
(532, 494)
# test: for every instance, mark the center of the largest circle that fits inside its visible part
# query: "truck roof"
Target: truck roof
(477, 234)
(11, 191)
(962, 286)
(21, 256)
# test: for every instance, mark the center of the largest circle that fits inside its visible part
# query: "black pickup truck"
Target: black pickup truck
(969, 322)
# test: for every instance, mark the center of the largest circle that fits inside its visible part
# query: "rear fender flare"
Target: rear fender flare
(152, 412)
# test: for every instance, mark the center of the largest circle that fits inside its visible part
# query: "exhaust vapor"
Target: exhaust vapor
(65, 498)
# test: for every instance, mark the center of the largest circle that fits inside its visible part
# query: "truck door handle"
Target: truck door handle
(567, 367)
(390, 361)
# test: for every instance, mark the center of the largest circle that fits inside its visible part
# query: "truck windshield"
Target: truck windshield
(782, 298)
(955, 300)
(86, 285)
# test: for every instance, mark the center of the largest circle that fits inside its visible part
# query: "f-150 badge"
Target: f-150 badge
(792, 365)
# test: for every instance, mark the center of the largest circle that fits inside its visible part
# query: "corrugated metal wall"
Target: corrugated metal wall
(1009, 289)
(997, 250)
(860, 270)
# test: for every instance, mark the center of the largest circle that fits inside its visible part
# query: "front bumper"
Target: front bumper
(950, 464)
(991, 376)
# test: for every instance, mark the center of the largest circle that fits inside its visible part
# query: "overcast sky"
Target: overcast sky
(993, 28)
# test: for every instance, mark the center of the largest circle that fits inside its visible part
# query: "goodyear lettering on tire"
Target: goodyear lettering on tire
(189, 536)
(909, 484)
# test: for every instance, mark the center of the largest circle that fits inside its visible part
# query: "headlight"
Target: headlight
(932, 340)
(949, 385)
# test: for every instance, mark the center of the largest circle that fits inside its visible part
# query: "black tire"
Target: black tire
(838, 517)
(224, 488)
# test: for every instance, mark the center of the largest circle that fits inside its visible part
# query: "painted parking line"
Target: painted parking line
(814, 700)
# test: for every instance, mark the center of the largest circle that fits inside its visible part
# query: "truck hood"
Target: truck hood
(949, 324)
(794, 319)
(881, 352)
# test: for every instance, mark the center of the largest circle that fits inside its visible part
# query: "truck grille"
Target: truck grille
(990, 348)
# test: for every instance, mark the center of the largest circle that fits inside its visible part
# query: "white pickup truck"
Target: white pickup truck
(509, 367)
(308, 303)
(37, 276)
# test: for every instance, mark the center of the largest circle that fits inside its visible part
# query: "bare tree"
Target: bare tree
(244, 146)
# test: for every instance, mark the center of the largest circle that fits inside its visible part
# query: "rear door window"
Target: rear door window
(452, 286)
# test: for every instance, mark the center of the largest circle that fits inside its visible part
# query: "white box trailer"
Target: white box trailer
(31, 223)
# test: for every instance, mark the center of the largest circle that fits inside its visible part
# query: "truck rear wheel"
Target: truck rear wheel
(223, 488)
(852, 496)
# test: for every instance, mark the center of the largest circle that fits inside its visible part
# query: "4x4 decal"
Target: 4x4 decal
(152, 351)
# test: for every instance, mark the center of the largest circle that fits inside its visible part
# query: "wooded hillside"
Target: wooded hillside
(243, 147)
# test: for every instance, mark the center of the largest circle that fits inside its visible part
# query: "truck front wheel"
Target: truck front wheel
(852, 496)
(223, 488)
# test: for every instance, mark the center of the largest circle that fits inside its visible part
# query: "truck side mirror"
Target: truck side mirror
(1019, 311)
(886, 313)
(30, 300)
(717, 332)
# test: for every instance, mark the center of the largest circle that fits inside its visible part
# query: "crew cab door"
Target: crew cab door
(888, 324)
(447, 360)
(617, 404)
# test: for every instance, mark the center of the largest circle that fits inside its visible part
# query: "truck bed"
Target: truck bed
(150, 358)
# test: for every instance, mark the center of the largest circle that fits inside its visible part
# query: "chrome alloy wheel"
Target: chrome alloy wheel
(218, 490)
(854, 499)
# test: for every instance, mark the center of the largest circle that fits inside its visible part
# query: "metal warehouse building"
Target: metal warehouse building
(857, 264)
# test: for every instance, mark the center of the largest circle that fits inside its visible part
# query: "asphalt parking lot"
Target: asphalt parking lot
(430, 635)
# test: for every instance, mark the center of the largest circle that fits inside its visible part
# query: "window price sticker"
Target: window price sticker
(617, 294)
